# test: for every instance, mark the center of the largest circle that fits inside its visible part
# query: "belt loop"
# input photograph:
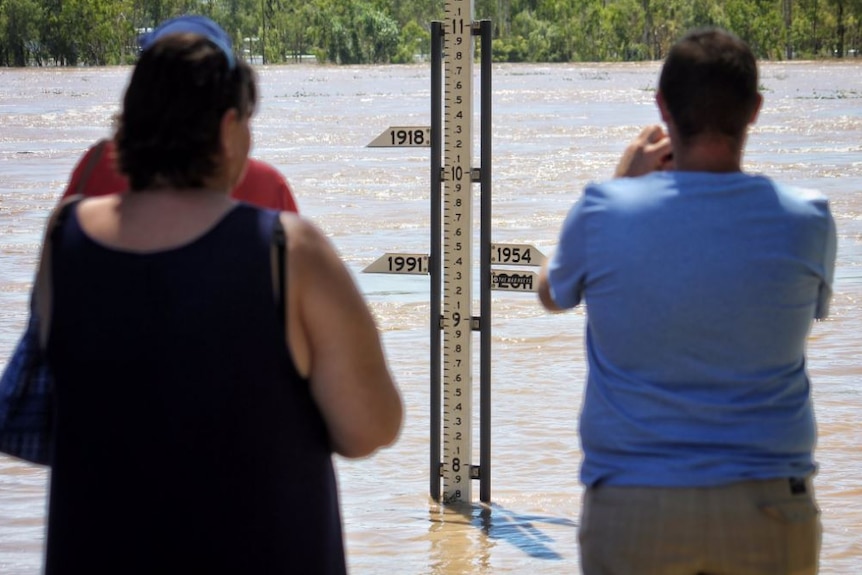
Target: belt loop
(797, 486)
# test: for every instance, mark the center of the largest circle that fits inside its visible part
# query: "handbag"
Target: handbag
(26, 399)
(27, 384)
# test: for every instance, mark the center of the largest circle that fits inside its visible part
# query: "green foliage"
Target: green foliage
(414, 41)
(103, 32)
(95, 33)
(617, 24)
(19, 27)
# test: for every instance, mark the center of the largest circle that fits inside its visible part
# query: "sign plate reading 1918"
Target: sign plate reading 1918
(403, 137)
(416, 264)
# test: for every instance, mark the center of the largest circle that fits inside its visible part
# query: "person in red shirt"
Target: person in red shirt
(96, 175)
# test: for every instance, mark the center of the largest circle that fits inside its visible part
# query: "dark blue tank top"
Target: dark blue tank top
(186, 442)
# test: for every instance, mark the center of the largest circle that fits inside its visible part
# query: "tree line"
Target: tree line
(105, 32)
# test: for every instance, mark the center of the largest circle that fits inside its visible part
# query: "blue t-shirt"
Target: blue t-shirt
(700, 291)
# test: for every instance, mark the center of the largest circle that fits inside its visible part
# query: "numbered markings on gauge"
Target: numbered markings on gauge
(415, 264)
(403, 137)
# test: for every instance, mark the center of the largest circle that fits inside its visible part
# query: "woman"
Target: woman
(196, 416)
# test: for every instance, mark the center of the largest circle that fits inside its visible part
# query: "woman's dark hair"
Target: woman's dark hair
(168, 132)
(709, 84)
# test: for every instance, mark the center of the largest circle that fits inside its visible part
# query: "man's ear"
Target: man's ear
(662, 107)
(756, 110)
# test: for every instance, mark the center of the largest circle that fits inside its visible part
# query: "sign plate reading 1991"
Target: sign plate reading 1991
(416, 264)
(403, 137)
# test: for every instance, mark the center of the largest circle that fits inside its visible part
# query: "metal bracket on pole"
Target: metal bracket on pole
(485, 268)
(436, 250)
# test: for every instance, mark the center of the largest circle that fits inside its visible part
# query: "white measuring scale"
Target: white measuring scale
(457, 251)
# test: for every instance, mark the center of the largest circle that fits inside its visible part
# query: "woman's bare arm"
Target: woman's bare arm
(335, 342)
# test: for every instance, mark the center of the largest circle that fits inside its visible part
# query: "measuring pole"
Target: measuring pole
(457, 251)
(449, 262)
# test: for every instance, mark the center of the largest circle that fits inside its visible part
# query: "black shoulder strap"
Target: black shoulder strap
(40, 294)
(279, 238)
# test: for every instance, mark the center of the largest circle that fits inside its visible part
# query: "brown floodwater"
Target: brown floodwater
(555, 127)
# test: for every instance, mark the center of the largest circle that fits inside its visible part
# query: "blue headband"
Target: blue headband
(191, 24)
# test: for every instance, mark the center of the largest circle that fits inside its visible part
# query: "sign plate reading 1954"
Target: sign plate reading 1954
(416, 264)
(516, 255)
(403, 137)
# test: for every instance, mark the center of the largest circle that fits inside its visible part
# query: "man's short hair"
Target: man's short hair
(709, 84)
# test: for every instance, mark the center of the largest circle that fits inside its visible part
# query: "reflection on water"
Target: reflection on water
(522, 531)
(464, 538)
(555, 128)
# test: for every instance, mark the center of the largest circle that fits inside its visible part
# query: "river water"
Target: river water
(555, 127)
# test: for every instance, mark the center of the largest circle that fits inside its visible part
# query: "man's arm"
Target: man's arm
(830, 250)
(545, 297)
(649, 151)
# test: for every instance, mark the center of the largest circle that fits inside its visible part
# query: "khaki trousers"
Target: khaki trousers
(769, 527)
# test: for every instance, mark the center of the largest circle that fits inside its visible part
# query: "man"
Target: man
(701, 283)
